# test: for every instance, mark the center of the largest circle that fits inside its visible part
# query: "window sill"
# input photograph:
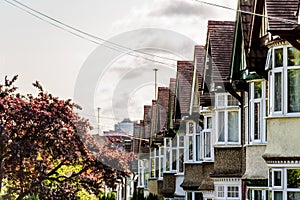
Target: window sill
(290, 115)
(228, 146)
(256, 144)
(169, 172)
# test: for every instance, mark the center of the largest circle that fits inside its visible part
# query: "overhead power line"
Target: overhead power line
(247, 12)
(87, 36)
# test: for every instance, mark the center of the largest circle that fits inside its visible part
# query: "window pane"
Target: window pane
(277, 92)
(233, 126)
(233, 191)
(209, 122)
(198, 128)
(161, 160)
(270, 177)
(294, 90)
(181, 159)
(191, 127)
(190, 142)
(198, 196)
(181, 141)
(156, 166)
(197, 147)
(293, 178)
(256, 121)
(277, 178)
(278, 195)
(257, 90)
(220, 190)
(207, 145)
(152, 154)
(189, 196)
(293, 195)
(174, 159)
(293, 56)
(232, 101)
(221, 100)
(168, 159)
(258, 195)
(278, 57)
(221, 134)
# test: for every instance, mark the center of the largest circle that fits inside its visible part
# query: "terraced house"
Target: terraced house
(233, 113)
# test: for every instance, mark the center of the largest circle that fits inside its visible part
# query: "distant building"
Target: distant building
(125, 126)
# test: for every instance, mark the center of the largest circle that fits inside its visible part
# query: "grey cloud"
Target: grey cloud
(182, 8)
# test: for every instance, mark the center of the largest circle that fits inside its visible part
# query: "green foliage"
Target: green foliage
(32, 197)
(152, 197)
(108, 196)
(138, 195)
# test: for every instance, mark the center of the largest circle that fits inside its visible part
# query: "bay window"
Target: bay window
(284, 80)
(227, 119)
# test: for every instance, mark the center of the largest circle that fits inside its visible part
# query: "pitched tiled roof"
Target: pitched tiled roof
(137, 134)
(172, 87)
(221, 35)
(154, 117)
(163, 105)
(184, 84)
(282, 9)
(147, 121)
(199, 60)
(247, 6)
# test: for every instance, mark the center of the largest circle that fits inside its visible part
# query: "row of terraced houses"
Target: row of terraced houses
(228, 125)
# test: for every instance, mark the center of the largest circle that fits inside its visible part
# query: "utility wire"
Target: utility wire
(247, 12)
(115, 46)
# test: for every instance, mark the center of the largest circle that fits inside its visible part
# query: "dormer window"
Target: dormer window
(284, 79)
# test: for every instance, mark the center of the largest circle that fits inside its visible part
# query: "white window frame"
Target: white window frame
(157, 157)
(281, 179)
(207, 130)
(226, 109)
(153, 163)
(262, 113)
(225, 186)
(250, 194)
(284, 181)
(180, 147)
(168, 146)
(284, 84)
(196, 147)
(141, 173)
(193, 193)
(161, 162)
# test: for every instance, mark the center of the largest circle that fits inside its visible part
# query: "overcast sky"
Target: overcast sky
(35, 50)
